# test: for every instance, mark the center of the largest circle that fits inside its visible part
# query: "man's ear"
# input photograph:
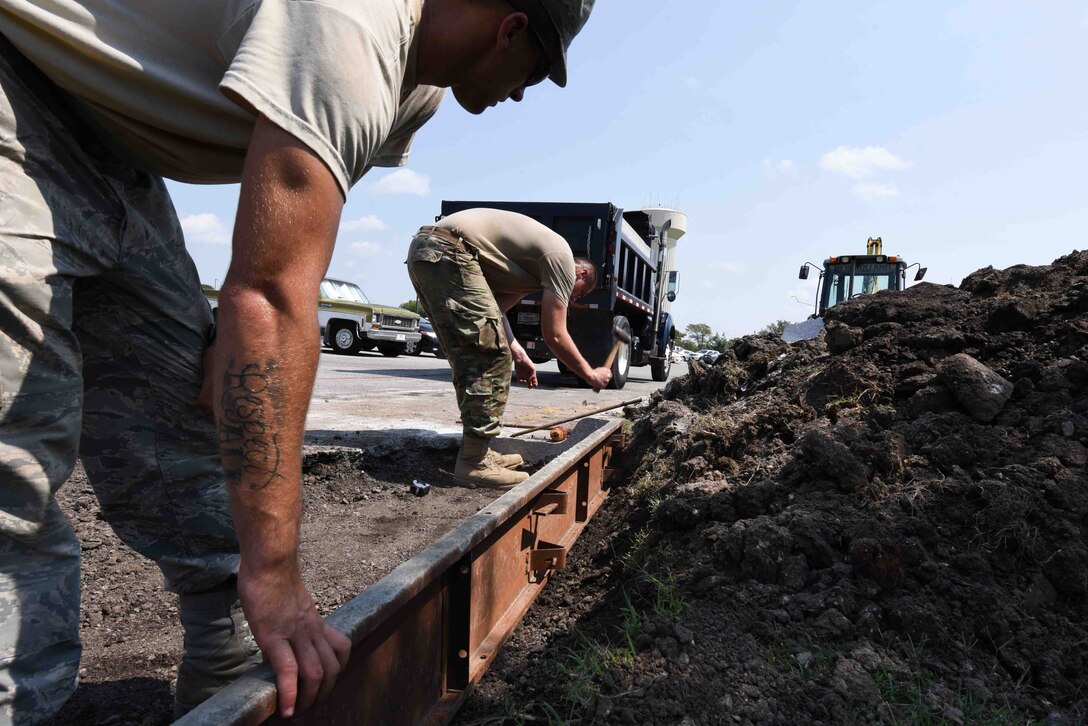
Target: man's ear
(511, 25)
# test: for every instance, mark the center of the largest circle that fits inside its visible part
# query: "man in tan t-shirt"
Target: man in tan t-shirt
(105, 334)
(469, 269)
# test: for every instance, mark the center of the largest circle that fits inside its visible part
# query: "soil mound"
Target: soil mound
(886, 524)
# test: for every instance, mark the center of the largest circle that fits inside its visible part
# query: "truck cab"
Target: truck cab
(350, 322)
(848, 276)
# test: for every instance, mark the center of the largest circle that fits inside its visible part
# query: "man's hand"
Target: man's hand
(599, 378)
(526, 371)
(306, 653)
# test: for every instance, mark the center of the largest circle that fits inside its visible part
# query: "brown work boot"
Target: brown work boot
(506, 461)
(476, 467)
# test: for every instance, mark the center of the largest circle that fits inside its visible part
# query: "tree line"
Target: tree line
(700, 336)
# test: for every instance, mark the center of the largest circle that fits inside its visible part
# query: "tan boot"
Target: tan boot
(475, 468)
(506, 461)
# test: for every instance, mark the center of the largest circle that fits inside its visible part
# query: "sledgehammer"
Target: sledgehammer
(620, 337)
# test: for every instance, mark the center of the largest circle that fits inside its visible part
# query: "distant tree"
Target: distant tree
(776, 327)
(414, 305)
(682, 341)
(720, 343)
(699, 333)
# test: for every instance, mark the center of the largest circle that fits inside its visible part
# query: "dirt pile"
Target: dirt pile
(886, 524)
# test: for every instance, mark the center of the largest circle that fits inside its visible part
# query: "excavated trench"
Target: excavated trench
(887, 524)
(130, 631)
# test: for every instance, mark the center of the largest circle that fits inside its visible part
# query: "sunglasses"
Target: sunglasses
(544, 67)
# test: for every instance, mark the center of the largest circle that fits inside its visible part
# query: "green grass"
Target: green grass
(632, 559)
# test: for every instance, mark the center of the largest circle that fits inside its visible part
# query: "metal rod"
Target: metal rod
(574, 418)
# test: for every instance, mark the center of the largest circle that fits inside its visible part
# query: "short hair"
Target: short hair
(591, 271)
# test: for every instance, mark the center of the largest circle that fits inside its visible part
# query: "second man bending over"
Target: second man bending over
(469, 269)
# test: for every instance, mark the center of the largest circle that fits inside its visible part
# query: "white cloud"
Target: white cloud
(693, 83)
(730, 266)
(369, 223)
(366, 249)
(874, 191)
(206, 228)
(860, 162)
(403, 181)
(775, 169)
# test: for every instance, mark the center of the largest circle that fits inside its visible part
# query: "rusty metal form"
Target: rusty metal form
(424, 634)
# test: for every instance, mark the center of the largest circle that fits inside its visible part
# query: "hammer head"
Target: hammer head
(620, 334)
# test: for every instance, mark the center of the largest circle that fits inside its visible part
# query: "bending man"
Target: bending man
(469, 269)
(103, 326)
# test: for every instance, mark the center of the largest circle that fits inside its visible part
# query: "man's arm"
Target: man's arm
(264, 362)
(524, 366)
(553, 321)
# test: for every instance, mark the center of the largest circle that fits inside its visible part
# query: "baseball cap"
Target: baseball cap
(556, 22)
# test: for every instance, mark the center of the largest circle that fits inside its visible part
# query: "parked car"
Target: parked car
(428, 342)
(710, 356)
(349, 322)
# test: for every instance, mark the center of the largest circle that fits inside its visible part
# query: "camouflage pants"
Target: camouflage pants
(102, 329)
(468, 322)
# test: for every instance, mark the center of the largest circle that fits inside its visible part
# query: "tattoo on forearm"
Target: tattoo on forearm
(247, 441)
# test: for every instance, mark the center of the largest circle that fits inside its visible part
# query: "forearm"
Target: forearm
(264, 376)
(562, 345)
(517, 352)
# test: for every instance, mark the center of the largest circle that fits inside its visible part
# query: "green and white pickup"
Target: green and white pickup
(349, 322)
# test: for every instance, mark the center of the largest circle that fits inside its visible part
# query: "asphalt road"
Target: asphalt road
(371, 392)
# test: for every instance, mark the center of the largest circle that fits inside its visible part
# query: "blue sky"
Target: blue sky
(787, 132)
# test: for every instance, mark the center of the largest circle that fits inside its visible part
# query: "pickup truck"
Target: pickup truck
(349, 322)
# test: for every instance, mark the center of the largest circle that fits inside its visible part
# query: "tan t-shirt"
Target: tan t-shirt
(177, 83)
(517, 253)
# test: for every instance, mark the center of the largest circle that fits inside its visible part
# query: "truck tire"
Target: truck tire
(390, 350)
(621, 365)
(344, 339)
(413, 347)
(659, 369)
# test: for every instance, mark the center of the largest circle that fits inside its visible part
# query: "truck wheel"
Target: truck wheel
(621, 365)
(344, 339)
(659, 369)
(413, 348)
(390, 350)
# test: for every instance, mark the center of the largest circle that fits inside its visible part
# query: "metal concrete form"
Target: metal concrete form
(427, 631)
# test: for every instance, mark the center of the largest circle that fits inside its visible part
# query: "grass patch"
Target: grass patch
(668, 602)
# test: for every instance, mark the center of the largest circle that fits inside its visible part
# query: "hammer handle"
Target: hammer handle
(612, 354)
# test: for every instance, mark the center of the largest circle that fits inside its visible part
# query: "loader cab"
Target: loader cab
(849, 276)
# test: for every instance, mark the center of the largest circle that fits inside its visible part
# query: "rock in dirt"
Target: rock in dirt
(981, 391)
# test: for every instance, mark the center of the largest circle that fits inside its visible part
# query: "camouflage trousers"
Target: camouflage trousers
(102, 330)
(468, 322)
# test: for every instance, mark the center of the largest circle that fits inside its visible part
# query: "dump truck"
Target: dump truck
(635, 255)
(848, 276)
